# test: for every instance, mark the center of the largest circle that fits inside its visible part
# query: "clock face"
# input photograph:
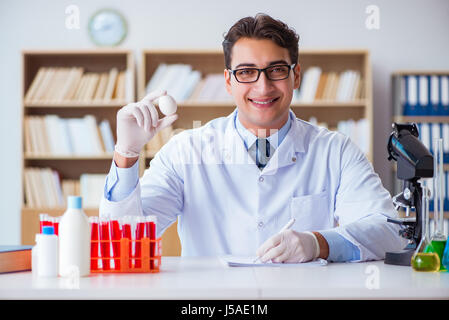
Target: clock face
(107, 28)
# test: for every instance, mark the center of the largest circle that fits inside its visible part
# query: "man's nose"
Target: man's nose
(263, 83)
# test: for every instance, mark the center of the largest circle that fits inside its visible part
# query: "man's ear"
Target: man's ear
(297, 75)
(227, 75)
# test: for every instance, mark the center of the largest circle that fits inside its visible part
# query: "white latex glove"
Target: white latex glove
(290, 246)
(137, 123)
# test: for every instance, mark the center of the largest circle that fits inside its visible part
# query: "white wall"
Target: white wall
(412, 35)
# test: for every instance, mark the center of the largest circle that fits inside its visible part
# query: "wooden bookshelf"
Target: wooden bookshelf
(70, 166)
(212, 61)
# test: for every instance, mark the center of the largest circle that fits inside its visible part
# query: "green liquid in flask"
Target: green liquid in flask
(438, 248)
(425, 262)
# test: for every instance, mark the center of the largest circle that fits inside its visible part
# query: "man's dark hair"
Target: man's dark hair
(262, 26)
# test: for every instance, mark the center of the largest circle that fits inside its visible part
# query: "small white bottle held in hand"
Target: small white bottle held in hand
(74, 240)
(47, 253)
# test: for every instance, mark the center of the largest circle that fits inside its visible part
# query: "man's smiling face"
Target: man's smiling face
(263, 104)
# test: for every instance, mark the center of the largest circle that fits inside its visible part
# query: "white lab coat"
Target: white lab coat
(226, 205)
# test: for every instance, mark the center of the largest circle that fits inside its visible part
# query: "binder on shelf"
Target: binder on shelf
(445, 135)
(411, 102)
(434, 89)
(423, 96)
(444, 94)
(429, 131)
(435, 133)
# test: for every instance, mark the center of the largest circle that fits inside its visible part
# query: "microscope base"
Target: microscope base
(399, 258)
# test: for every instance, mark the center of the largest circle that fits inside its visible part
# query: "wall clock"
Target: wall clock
(107, 27)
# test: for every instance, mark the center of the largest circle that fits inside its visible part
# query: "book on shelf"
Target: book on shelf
(55, 136)
(15, 258)
(160, 139)
(213, 89)
(45, 189)
(70, 187)
(185, 84)
(356, 130)
(421, 95)
(317, 85)
(42, 188)
(76, 85)
(91, 189)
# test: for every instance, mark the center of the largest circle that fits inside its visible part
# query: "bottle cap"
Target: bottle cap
(74, 202)
(48, 230)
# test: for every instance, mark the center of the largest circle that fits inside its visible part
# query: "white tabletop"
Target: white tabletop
(208, 278)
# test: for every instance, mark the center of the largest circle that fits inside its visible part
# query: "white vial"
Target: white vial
(47, 250)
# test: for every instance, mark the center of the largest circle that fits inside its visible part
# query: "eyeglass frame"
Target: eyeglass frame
(264, 70)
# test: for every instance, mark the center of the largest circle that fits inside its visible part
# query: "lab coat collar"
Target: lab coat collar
(284, 155)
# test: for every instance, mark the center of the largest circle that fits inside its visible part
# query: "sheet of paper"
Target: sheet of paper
(245, 261)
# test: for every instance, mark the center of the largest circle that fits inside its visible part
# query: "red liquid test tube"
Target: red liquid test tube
(94, 244)
(105, 243)
(116, 234)
(127, 233)
(140, 233)
(56, 225)
(150, 224)
(44, 220)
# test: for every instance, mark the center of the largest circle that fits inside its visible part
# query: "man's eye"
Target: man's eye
(278, 69)
(246, 72)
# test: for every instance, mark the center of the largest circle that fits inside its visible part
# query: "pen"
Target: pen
(287, 226)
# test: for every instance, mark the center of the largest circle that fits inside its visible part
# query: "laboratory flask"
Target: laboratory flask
(425, 258)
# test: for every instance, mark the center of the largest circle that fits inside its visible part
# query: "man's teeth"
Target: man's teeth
(263, 102)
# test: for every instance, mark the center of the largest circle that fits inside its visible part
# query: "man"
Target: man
(236, 181)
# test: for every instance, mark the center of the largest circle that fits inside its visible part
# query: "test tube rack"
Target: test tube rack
(126, 262)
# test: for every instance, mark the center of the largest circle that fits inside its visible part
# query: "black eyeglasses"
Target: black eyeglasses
(273, 73)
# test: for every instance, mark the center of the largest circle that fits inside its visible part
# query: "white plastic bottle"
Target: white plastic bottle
(47, 252)
(74, 240)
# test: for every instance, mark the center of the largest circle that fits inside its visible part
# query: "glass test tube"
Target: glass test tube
(439, 238)
(127, 233)
(94, 244)
(44, 220)
(150, 225)
(116, 234)
(140, 234)
(438, 187)
(56, 224)
(105, 244)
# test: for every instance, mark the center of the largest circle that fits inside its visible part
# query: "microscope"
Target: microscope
(414, 162)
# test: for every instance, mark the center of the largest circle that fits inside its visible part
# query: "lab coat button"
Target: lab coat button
(260, 225)
(294, 159)
(261, 179)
